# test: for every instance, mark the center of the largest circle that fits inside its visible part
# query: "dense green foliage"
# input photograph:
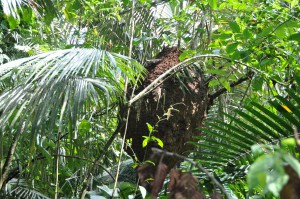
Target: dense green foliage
(65, 65)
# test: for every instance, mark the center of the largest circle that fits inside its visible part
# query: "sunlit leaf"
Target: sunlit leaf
(234, 27)
(294, 37)
(150, 128)
(225, 83)
(231, 48)
(145, 141)
(213, 4)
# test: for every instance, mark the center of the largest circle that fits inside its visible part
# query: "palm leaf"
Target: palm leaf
(227, 146)
(46, 95)
(12, 7)
(76, 76)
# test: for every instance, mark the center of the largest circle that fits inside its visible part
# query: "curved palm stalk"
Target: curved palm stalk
(45, 94)
(229, 144)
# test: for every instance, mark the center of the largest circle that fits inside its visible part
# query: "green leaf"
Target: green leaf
(127, 189)
(159, 141)
(150, 128)
(257, 83)
(225, 83)
(84, 126)
(213, 82)
(213, 4)
(231, 131)
(222, 36)
(292, 3)
(150, 162)
(257, 122)
(276, 180)
(266, 31)
(27, 15)
(287, 127)
(45, 153)
(231, 48)
(257, 173)
(268, 172)
(137, 41)
(288, 142)
(257, 150)
(247, 34)
(186, 54)
(13, 23)
(281, 33)
(76, 5)
(234, 27)
(145, 141)
(50, 143)
(236, 55)
(295, 37)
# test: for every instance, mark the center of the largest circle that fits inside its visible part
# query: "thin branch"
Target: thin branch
(159, 151)
(224, 90)
(57, 167)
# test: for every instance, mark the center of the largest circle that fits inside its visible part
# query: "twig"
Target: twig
(57, 167)
(159, 151)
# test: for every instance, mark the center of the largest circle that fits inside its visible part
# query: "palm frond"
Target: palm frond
(44, 93)
(10, 7)
(227, 146)
(20, 189)
(14, 7)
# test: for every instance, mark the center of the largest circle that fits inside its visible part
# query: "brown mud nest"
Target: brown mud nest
(175, 111)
